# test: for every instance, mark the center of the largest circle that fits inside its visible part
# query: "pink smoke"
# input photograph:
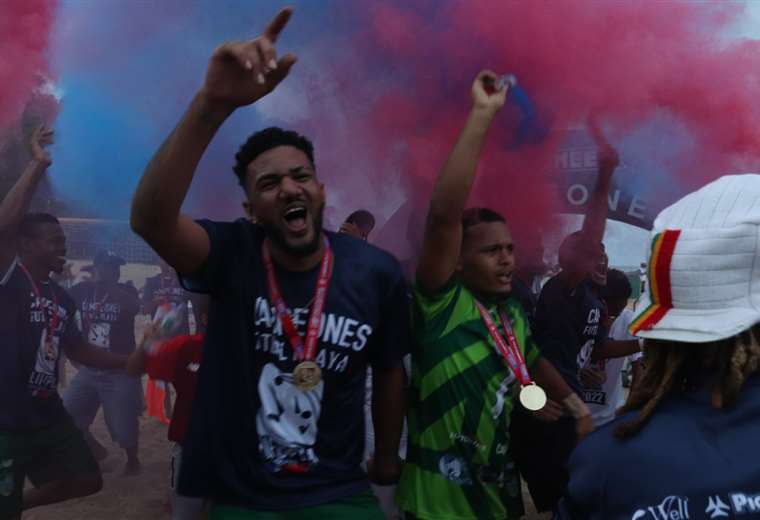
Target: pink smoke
(25, 28)
(621, 61)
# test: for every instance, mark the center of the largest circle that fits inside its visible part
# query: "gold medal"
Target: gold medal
(532, 397)
(307, 375)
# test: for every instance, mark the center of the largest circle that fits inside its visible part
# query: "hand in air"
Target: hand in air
(484, 95)
(41, 137)
(239, 73)
(607, 156)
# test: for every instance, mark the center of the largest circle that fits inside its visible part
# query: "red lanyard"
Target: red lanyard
(510, 350)
(308, 350)
(52, 325)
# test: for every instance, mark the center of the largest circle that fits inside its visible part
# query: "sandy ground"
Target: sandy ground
(144, 497)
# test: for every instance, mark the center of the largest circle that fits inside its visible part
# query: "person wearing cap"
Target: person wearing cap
(359, 224)
(108, 309)
(687, 436)
(473, 345)
(38, 322)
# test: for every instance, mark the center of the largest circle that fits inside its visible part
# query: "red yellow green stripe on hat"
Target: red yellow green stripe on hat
(660, 293)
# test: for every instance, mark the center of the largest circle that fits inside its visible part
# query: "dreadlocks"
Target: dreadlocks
(675, 366)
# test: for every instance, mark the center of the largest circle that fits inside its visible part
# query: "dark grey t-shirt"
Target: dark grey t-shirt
(108, 315)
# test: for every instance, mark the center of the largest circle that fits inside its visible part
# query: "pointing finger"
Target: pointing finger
(277, 24)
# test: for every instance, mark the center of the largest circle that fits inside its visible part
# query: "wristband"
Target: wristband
(575, 406)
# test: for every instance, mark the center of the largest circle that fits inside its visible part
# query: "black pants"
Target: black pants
(540, 451)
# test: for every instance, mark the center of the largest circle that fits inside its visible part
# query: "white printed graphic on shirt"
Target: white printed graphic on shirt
(584, 354)
(342, 336)
(673, 507)
(454, 469)
(605, 399)
(498, 406)
(43, 379)
(287, 421)
(100, 335)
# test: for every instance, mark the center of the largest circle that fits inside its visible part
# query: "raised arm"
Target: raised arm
(16, 203)
(238, 74)
(581, 260)
(443, 229)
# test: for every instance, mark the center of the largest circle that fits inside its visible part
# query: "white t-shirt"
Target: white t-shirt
(604, 400)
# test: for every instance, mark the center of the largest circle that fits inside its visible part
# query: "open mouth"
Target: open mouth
(295, 219)
(505, 278)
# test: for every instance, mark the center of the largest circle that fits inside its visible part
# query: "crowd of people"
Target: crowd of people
(314, 379)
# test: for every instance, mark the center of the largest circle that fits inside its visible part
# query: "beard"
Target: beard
(278, 237)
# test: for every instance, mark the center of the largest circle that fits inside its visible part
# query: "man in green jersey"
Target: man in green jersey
(458, 464)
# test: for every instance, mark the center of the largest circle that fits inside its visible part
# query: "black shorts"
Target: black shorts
(541, 451)
(48, 455)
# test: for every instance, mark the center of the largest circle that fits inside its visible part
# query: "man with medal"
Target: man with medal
(39, 320)
(297, 315)
(474, 351)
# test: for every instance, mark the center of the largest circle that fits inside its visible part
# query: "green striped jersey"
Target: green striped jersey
(458, 464)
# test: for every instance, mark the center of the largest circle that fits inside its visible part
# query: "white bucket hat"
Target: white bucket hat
(704, 265)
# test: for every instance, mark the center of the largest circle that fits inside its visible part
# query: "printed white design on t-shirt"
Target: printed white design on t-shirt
(454, 469)
(100, 335)
(671, 508)
(340, 334)
(584, 354)
(498, 406)
(43, 377)
(716, 508)
(287, 421)
(744, 503)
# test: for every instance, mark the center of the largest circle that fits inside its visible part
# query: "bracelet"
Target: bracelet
(575, 406)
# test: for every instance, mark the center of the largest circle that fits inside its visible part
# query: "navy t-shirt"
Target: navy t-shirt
(256, 440)
(108, 315)
(29, 399)
(568, 324)
(690, 461)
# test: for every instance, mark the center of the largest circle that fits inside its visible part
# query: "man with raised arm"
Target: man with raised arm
(473, 345)
(38, 439)
(570, 331)
(297, 315)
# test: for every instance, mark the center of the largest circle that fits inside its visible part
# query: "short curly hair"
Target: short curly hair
(265, 140)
